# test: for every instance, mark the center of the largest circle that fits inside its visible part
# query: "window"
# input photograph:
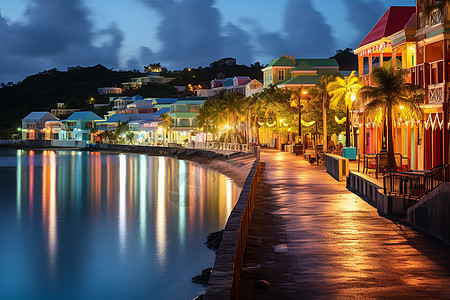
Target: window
(281, 75)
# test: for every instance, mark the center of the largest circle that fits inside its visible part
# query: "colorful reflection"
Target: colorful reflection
(98, 224)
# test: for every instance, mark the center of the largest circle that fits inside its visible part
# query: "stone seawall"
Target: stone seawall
(224, 280)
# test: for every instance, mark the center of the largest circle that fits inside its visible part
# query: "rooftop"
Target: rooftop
(84, 116)
(396, 18)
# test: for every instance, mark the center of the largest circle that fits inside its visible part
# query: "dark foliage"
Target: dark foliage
(347, 60)
(41, 92)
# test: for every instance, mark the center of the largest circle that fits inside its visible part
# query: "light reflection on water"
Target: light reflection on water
(79, 225)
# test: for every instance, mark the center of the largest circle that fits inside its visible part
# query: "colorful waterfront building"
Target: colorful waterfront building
(145, 126)
(405, 37)
(184, 114)
(79, 126)
(33, 125)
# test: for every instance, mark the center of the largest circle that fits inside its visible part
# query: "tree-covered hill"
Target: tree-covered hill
(76, 86)
(217, 69)
(41, 92)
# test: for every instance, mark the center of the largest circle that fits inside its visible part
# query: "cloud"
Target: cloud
(305, 33)
(53, 34)
(189, 31)
(237, 43)
(363, 15)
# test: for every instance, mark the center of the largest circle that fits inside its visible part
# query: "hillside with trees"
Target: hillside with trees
(77, 88)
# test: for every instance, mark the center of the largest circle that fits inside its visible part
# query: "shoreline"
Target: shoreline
(235, 166)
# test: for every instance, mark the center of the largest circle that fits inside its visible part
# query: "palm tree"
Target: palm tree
(390, 91)
(166, 124)
(320, 91)
(232, 103)
(251, 109)
(204, 114)
(217, 115)
(341, 91)
(130, 136)
(121, 128)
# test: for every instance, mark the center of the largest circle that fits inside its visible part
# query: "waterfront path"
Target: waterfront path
(311, 238)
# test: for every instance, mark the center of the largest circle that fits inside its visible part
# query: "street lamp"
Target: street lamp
(298, 97)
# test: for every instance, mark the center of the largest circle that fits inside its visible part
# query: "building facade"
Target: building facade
(289, 72)
(408, 38)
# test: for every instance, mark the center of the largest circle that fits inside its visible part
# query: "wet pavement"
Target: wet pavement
(311, 238)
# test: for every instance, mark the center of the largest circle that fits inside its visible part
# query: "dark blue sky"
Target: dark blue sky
(43, 34)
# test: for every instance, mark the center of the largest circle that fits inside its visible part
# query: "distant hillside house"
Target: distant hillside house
(61, 112)
(152, 77)
(238, 84)
(109, 91)
(33, 125)
(288, 72)
(121, 103)
(142, 106)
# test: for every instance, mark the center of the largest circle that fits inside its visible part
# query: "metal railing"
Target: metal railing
(378, 162)
(221, 146)
(413, 185)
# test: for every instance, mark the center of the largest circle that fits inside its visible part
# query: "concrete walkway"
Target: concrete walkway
(313, 239)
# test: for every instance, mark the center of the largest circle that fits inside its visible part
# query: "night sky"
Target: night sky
(43, 34)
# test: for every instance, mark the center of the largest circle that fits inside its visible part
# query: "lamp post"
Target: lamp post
(304, 92)
(296, 96)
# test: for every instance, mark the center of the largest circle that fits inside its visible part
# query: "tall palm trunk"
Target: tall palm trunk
(392, 166)
(347, 128)
(325, 133)
(257, 130)
(248, 128)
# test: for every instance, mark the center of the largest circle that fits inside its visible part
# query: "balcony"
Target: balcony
(436, 17)
(431, 77)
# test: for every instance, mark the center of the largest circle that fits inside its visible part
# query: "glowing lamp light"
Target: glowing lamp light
(304, 92)
(402, 107)
(353, 97)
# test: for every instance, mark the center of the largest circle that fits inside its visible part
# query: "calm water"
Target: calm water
(79, 225)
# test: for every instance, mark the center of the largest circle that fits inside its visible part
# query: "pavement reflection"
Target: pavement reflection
(337, 244)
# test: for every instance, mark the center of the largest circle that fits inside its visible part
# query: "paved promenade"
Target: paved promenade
(311, 238)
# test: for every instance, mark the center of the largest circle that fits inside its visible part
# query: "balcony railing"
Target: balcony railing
(429, 73)
(436, 93)
(436, 17)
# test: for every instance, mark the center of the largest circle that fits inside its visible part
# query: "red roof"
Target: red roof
(393, 20)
